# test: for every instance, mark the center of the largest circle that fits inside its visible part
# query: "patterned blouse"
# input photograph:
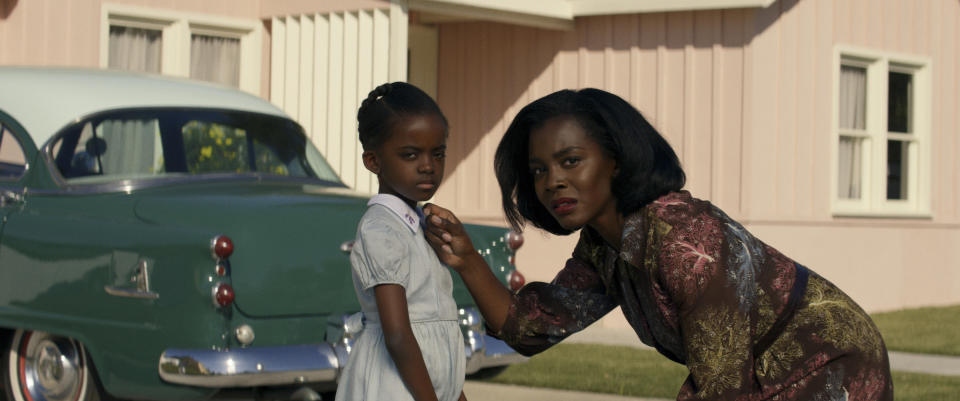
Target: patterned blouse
(695, 285)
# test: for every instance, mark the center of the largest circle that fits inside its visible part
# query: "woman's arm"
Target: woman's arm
(454, 248)
(540, 314)
(400, 341)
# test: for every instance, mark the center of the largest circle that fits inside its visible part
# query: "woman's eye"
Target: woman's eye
(535, 171)
(571, 161)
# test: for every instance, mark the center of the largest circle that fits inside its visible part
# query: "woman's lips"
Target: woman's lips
(563, 205)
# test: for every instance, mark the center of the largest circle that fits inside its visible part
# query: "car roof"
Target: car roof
(44, 100)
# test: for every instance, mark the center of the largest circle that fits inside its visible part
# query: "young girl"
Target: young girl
(411, 347)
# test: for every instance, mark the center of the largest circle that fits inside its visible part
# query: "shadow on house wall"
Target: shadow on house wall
(6, 8)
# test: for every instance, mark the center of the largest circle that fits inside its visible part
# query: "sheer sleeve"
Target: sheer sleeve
(383, 256)
(543, 314)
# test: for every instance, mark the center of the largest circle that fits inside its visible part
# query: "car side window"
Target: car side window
(12, 159)
(115, 148)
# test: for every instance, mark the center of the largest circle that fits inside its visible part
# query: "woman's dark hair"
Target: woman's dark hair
(386, 104)
(648, 167)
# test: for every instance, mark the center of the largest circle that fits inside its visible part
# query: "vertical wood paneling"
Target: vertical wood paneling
(786, 151)
(291, 78)
(671, 96)
(305, 88)
(652, 40)
(348, 127)
(321, 78)
(804, 113)
(364, 86)
(823, 109)
(335, 89)
(323, 66)
(728, 176)
(278, 40)
(699, 99)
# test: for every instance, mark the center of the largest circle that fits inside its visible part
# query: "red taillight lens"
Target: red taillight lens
(223, 295)
(221, 246)
(515, 280)
(514, 240)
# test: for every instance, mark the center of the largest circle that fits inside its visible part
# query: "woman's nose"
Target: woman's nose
(555, 179)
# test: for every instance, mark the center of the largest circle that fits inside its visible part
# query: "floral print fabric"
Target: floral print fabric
(695, 285)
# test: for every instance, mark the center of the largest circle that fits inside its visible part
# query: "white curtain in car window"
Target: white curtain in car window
(133, 148)
(215, 59)
(852, 114)
(135, 49)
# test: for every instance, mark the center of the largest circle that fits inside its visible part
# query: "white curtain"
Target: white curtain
(135, 49)
(133, 147)
(853, 113)
(215, 59)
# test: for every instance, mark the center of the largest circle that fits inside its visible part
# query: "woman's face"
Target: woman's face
(572, 174)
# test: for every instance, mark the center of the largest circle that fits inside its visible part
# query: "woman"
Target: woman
(747, 321)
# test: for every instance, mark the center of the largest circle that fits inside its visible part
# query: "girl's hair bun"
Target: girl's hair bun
(385, 104)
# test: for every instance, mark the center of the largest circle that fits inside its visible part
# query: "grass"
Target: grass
(922, 330)
(645, 373)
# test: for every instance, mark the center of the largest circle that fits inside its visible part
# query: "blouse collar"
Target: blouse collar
(410, 216)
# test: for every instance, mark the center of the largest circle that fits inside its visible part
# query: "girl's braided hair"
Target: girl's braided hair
(386, 104)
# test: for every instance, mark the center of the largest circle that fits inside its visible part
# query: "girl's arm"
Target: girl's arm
(463, 397)
(400, 341)
(454, 248)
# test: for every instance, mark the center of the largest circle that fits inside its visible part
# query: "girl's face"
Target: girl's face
(572, 174)
(409, 163)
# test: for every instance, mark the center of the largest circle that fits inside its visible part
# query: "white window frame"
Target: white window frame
(177, 30)
(873, 200)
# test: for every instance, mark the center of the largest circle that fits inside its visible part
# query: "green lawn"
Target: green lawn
(645, 373)
(923, 330)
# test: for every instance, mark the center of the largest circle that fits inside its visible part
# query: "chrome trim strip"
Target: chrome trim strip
(248, 367)
(130, 292)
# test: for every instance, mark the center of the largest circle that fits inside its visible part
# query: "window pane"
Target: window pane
(899, 106)
(853, 97)
(12, 163)
(215, 148)
(850, 178)
(215, 59)
(897, 162)
(135, 49)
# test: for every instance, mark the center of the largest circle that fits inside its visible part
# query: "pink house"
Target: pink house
(831, 129)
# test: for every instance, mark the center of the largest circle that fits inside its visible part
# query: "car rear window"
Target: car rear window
(152, 143)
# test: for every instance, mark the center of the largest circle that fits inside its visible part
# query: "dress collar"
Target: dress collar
(410, 216)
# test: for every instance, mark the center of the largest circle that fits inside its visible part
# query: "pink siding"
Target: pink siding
(682, 70)
(67, 33)
(49, 32)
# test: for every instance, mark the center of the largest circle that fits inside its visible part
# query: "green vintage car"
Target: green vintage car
(167, 239)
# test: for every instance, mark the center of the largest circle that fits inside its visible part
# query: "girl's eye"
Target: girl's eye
(440, 155)
(409, 156)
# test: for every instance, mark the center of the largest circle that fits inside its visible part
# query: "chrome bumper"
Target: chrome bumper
(249, 367)
(494, 353)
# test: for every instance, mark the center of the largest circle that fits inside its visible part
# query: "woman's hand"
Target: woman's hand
(446, 235)
(454, 248)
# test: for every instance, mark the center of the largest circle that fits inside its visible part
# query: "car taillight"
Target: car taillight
(223, 295)
(515, 280)
(514, 240)
(221, 246)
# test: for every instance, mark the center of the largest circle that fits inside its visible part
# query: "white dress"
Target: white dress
(390, 249)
